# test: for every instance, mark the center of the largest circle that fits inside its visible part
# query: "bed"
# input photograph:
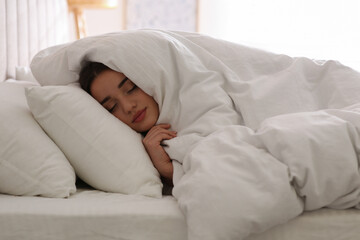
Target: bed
(82, 211)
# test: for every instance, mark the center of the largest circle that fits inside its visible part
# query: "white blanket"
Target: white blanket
(261, 136)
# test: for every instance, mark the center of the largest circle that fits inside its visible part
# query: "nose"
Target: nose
(128, 105)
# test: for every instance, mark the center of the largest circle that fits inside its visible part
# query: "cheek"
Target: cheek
(120, 116)
(147, 100)
(155, 106)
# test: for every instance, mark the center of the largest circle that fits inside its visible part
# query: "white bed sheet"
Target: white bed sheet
(323, 224)
(91, 214)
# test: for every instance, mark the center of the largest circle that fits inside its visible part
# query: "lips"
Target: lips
(139, 116)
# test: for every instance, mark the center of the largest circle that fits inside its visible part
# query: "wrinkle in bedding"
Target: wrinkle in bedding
(262, 137)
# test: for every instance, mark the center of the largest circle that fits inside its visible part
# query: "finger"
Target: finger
(163, 136)
(158, 129)
(173, 133)
(155, 142)
(167, 136)
(158, 134)
(157, 138)
(164, 125)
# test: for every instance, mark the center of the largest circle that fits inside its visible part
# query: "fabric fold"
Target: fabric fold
(261, 136)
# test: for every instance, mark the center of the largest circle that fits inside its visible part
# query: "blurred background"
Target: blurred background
(319, 29)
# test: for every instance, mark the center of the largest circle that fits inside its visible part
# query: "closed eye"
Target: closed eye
(132, 89)
(111, 110)
(122, 82)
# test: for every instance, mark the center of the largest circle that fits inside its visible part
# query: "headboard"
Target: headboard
(28, 26)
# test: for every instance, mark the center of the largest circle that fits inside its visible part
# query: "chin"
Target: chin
(141, 129)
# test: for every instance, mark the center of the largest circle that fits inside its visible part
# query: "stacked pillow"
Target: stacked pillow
(75, 129)
(30, 162)
(105, 153)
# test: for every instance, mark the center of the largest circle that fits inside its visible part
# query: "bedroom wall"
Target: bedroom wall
(99, 21)
(135, 14)
(319, 29)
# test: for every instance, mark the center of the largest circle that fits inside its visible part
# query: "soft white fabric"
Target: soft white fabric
(104, 152)
(323, 224)
(24, 74)
(254, 149)
(91, 215)
(30, 163)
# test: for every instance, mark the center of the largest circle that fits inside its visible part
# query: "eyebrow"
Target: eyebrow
(122, 82)
(119, 86)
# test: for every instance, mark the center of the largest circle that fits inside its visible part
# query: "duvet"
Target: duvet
(262, 137)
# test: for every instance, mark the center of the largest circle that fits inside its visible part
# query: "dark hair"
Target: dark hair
(89, 72)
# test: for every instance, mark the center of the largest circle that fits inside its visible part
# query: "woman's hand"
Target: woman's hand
(152, 142)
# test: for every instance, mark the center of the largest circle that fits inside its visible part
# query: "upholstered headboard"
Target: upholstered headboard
(27, 26)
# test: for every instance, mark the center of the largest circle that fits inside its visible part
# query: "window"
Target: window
(320, 29)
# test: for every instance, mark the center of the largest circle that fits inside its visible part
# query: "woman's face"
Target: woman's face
(125, 100)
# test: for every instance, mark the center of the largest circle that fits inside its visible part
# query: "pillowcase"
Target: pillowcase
(105, 152)
(30, 162)
(24, 74)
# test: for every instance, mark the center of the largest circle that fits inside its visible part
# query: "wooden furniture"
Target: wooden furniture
(78, 6)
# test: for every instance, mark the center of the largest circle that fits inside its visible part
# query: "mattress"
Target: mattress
(90, 214)
(323, 224)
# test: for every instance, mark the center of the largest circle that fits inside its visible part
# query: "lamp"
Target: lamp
(78, 6)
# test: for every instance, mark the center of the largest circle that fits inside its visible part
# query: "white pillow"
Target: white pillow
(24, 74)
(105, 152)
(30, 163)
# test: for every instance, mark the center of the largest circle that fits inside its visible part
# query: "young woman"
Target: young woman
(122, 98)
